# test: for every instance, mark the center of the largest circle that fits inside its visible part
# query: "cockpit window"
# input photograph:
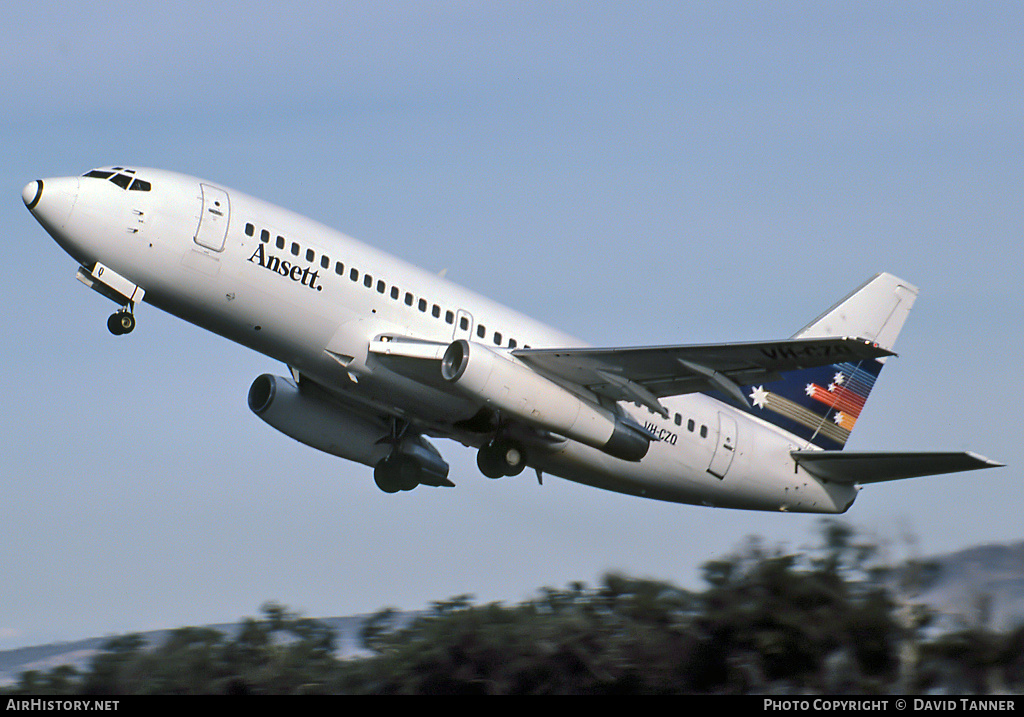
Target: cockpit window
(121, 180)
(124, 178)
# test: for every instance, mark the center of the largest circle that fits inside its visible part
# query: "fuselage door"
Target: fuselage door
(725, 449)
(213, 220)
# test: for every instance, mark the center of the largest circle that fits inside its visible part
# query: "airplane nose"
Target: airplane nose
(51, 201)
(31, 193)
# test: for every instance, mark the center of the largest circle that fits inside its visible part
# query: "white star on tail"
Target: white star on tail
(759, 396)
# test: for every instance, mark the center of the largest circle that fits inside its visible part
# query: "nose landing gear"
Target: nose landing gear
(115, 287)
(121, 322)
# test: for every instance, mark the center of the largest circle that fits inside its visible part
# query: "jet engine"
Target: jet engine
(514, 389)
(315, 420)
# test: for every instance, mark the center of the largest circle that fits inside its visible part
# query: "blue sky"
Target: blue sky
(632, 173)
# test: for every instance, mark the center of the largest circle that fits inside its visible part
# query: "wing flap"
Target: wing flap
(877, 467)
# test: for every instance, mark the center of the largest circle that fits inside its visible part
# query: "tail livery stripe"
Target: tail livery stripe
(838, 398)
(819, 405)
(847, 392)
(810, 423)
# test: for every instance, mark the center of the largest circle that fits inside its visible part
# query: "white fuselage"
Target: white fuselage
(314, 299)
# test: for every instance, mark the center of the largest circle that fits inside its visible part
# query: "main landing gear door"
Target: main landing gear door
(213, 220)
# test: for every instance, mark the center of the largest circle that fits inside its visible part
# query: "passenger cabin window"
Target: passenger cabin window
(280, 242)
(295, 249)
(250, 230)
(408, 299)
(339, 269)
(310, 255)
(436, 311)
(481, 331)
(325, 262)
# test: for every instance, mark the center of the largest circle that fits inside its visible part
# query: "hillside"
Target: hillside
(977, 587)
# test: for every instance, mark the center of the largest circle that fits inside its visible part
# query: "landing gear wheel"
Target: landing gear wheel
(384, 477)
(121, 322)
(408, 472)
(501, 458)
(127, 322)
(395, 473)
(513, 460)
(489, 462)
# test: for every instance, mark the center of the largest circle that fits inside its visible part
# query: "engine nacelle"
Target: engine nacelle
(513, 388)
(319, 423)
(316, 422)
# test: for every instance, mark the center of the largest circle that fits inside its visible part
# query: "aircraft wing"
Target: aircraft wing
(645, 374)
(874, 467)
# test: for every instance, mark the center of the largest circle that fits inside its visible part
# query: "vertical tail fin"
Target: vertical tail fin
(821, 405)
(876, 310)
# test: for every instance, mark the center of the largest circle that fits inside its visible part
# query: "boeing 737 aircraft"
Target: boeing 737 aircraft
(382, 355)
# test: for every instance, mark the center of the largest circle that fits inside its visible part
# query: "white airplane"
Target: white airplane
(383, 354)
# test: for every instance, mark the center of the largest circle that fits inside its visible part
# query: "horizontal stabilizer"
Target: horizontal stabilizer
(875, 467)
